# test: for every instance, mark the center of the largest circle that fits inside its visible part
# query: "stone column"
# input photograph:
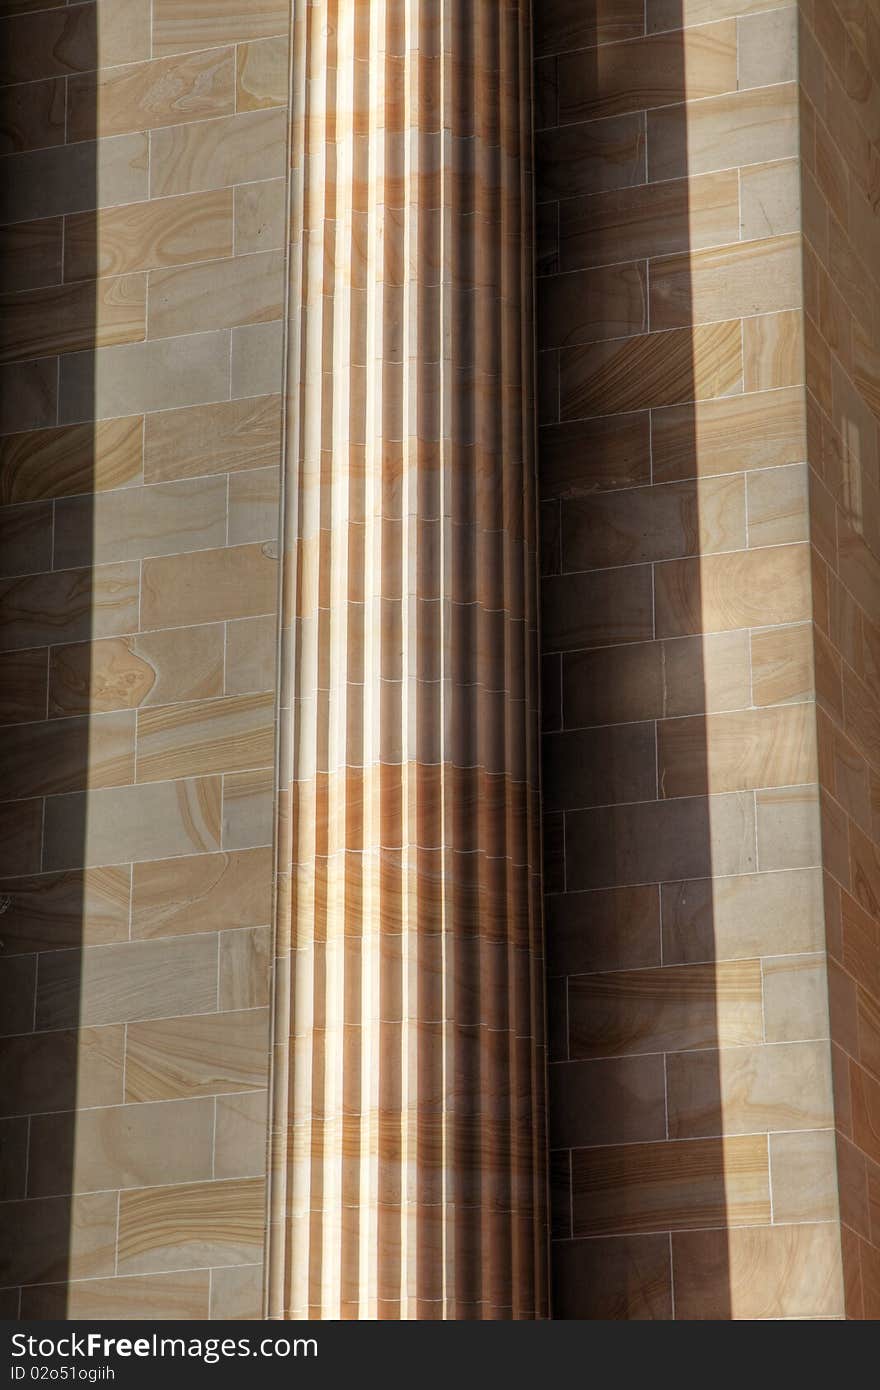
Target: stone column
(408, 1131)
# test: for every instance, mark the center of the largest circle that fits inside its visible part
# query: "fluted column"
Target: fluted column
(408, 1172)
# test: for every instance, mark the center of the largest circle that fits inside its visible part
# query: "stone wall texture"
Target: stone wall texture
(840, 99)
(708, 464)
(143, 236)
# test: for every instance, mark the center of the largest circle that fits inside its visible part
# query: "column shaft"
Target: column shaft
(408, 1130)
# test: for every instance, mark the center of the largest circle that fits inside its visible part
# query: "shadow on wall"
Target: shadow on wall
(47, 261)
(636, 1160)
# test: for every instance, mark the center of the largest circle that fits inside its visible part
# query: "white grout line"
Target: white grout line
(214, 1140)
(99, 1278)
(27, 1156)
(666, 1095)
(252, 1090)
(169, 60)
(142, 1187)
(217, 986)
(671, 1280)
(568, 1056)
(764, 1038)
